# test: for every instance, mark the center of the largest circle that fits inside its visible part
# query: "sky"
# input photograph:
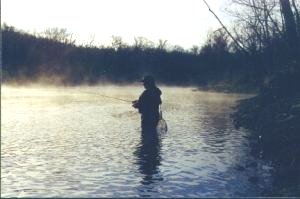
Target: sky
(180, 22)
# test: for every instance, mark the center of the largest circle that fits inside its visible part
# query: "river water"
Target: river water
(73, 142)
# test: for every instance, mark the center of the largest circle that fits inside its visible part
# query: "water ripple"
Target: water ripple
(61, 142)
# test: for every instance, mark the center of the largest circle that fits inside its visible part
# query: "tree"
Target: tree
(258, 22)
(162, 44)
(177, 48)
(143, 43)
(59, 34)
(290, 25)
(297, 15)
(217, 42)
(117, 43)
(195, 50)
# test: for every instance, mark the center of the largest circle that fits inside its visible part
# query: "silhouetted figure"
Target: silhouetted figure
(148, 152)
(148, 105)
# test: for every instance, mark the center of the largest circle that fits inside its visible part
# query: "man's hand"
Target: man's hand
(135, 104)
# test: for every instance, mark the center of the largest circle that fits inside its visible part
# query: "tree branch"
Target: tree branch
(235, 41)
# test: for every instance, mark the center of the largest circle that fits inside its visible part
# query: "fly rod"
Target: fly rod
(114, 98)
(107, 96)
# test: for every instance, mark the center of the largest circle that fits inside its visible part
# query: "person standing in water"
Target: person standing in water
(148, 151)
(148, 105)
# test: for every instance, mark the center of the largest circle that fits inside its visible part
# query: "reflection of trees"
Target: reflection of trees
(217, 125)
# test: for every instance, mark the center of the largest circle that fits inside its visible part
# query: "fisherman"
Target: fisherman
(148, 105)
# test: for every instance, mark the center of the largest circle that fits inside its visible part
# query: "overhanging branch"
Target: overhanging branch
(235, 41)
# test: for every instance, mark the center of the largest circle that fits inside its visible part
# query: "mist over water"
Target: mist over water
(73, 142)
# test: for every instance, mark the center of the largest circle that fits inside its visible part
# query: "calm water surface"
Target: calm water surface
(72, 142)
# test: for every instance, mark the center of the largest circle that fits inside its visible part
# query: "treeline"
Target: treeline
(53, 55)
(265, 41)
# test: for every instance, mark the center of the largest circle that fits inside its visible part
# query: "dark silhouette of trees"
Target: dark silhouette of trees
(53, 54)
(269, 30)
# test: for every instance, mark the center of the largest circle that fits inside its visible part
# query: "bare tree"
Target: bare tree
(195, 50)
(178, 49)
(217, 42)
(224, 27)
(59, 34)
(90, 42)
(258, 22)
(117, 43)
(162, 44)
(143, 43)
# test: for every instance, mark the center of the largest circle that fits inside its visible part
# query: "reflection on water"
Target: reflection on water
(148, 159)
(71, 142)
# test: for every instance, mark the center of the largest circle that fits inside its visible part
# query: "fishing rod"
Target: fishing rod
(162, 124)
(115, 98)
(107, 96)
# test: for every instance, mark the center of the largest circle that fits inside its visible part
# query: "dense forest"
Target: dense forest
(259, 52)
(53, 55)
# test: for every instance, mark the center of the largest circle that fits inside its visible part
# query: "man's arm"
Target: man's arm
(139, 104)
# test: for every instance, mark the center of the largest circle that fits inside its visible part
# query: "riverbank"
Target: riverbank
(274, 118)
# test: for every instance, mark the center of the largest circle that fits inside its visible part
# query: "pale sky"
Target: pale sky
(181, 22)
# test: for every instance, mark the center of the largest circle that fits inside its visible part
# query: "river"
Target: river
(73, 142)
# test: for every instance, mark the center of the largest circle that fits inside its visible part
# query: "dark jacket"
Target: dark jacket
(148, 104)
